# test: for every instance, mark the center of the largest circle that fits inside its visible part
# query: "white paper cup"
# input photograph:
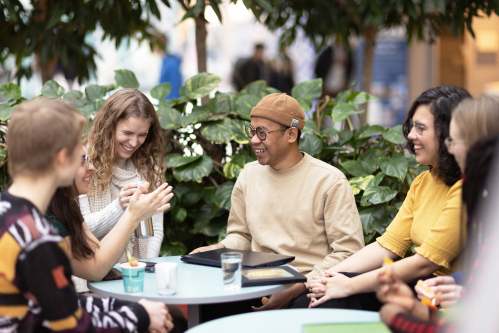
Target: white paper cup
(166, 278)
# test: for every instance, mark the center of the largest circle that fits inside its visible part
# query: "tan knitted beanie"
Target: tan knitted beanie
(282, 109)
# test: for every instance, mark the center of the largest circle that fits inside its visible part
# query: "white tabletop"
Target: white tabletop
(289, 321)
(197, 284)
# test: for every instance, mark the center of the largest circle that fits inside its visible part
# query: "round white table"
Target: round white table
(197, 284)
(289, 321)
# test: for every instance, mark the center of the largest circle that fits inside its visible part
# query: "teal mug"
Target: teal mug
(133, 277)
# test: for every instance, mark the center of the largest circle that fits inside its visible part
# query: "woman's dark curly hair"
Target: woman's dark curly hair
(441, 101)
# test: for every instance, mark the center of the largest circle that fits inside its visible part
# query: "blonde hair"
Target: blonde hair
(37, 130)
(477, 117)
(148, 159)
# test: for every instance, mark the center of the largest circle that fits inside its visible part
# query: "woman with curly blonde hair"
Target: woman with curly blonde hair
(125, 145)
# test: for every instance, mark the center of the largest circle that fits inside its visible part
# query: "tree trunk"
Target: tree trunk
(369, 35)
(201, 42)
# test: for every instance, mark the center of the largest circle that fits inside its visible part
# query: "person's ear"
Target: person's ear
(292, 134)
(61, 157)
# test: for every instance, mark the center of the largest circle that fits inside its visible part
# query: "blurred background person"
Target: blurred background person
(334, 66)
(170, 66)
(282, 71)
(251, 69)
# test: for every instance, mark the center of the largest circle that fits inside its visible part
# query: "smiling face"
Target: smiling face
(425, 145)
(130, 134)
(457, 148)
(275, 150)
(82, 178)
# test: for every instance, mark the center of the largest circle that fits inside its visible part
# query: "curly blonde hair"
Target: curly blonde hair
(148, 159)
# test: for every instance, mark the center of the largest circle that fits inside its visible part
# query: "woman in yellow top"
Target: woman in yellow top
(429, 217)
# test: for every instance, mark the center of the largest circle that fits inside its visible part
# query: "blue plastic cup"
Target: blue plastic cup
(133, 277)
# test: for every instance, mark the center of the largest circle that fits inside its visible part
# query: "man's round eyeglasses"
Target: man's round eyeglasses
(419, 127)
(261, 133)
(84, 159)
(449, 142)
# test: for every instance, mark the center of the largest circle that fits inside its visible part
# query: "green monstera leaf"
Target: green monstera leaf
(52, 89)
(10, 91)
(161, 91)
(194, 171)
(126, 79)
(201, 85)
(377, 195)
(169, 118)
(311, 144)
(223, 194)
(395, 166)
(218, 131)
(189, 193)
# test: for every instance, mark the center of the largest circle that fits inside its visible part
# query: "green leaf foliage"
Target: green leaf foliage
(72, 95)
(343, 111)
(394, 135)
(377, 195)
(218, 131)
(244, 104)
(238, 132)
(94, 92)
(126, 79)
(161, 91)
(177, 160)
(194, 171)
(5, 111)
(169, 118)
(10, 91)
(223, 194)
(310, 144)
(305, 91)
(358, 168)
(52, 89)
(201, 85)
(395, 165)
(360, 97)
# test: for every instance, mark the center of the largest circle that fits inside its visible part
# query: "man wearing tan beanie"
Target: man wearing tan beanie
(288, 203)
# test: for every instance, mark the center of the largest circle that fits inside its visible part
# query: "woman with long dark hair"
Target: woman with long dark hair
(428, 218)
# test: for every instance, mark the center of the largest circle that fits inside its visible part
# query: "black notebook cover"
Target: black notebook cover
(270, 275)
(250, 258)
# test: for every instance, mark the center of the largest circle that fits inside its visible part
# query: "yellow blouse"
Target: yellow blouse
(430, 219)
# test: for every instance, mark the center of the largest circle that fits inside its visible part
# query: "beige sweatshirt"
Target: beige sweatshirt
(307, 211)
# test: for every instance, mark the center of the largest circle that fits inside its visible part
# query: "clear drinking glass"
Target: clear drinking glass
(232, 270)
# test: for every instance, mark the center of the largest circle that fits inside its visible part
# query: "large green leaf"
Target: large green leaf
(72, 95)
(370, 217)
(179, 214)
(355, 184)
(377, 195)
(3, 153)
(5, 111)
(307, 89)
(85, 105)
(201, 85)
(218, 131)
(394, 135)
(244, 104)
(344, 136)
(238, 132)
(360, 97)
(257, 88)
(94, 92)
(395, 166)
(371, 156)
(126, 79)
(222, 197)
(372, 131)
(310, 126)
(198, 114)
(311, 144)
(173, 249)
(236, 164)
(177, 160)
(52, 89)
(190, 193)
(169, 118)
(222, 102)
(10, 91)
(358, 168)
(161, 91)
(194, 171)
(343, 111)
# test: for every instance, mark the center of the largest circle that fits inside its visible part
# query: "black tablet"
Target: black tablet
(113, 274)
